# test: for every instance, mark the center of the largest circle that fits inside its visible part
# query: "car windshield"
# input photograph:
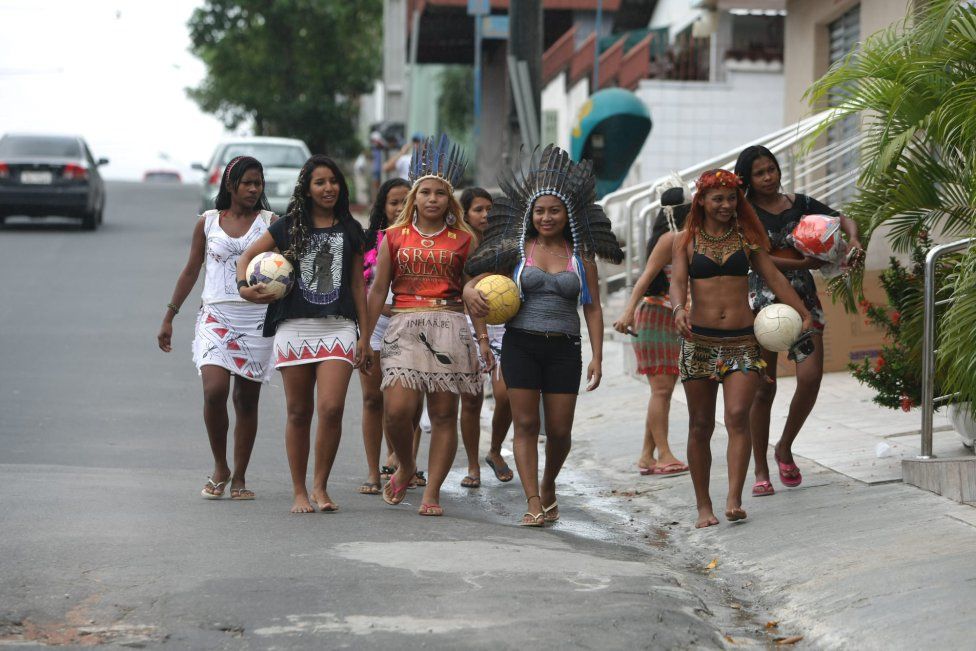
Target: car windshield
(39, 146)
(269, 155)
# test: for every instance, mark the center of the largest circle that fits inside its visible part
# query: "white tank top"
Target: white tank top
(220, 282)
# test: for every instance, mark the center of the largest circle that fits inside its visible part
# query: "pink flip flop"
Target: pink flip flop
(396, 494)
(762, 489)
(644, 470)
(789, 473)
(670, 469)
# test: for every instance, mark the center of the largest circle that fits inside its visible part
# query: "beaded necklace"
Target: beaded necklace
(721, 247)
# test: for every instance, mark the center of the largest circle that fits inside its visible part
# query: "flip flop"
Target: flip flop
(418, 479)
(470, 482)
(504, 469)
(670, 469)
(386, 471)
(762, 489)
(645, 470)
(535, 519)
(789, 473)
(546, 510)
(241, 494)
(393, 494)
(216, 489)
(430, 509)
(369, 488)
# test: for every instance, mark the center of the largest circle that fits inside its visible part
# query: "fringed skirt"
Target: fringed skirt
(229, 335)
(430, 352)
(657, 344)
(712, 354)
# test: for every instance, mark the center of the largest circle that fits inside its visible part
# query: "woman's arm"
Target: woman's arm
(593, 314)
(255, 294)
(382, 278)
(849, 226)
(660, 256)
(359, 300)
(184, 285)
(474, 299)
(792, 264)
(679, 286)
(479, 325)
(781, 287)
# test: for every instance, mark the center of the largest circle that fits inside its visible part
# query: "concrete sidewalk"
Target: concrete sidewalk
(853, 558)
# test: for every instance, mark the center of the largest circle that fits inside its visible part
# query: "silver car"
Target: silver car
(282, 159)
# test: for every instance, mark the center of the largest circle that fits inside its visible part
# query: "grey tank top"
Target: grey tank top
(549, 302)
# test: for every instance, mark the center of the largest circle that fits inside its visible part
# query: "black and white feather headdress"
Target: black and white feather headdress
(549, 172)
(441, 160)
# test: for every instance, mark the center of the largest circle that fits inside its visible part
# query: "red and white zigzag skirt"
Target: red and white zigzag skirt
(306, 341)
(229, 335)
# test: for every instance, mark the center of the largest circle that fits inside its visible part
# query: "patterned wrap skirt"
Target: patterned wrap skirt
(429, 352)
(712, 354)
(308, 341)
(658, 343)
(229, 335)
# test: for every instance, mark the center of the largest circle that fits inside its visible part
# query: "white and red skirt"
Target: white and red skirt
(308, 341)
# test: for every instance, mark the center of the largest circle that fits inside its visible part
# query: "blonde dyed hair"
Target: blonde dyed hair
(405, 218)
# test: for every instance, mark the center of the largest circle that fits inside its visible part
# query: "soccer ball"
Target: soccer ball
(777, 327)
(274, 271)
(502, 295)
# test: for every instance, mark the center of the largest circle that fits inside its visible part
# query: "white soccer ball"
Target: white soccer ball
(274, 270)
(777, 327)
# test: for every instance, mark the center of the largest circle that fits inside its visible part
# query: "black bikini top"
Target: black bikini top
(703, 266)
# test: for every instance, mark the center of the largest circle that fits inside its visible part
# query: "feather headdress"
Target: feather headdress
(441, 160)
(549, 172)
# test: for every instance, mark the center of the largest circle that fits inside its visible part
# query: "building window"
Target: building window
(844, 35)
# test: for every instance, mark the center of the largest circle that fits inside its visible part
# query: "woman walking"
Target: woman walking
(427, 349)
(723, 239)
(389, 202)
(316, 345)
(476, 202)
(228, 339)
(547, 232)
(648, 318)
(779, 214)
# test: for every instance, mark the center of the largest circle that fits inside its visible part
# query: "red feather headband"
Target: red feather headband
(717, 179)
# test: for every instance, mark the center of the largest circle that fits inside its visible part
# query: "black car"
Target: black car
(50, 175)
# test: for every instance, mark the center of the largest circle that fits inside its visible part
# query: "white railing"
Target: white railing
(632, 208)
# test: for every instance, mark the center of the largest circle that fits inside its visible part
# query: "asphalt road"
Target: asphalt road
(106, 540)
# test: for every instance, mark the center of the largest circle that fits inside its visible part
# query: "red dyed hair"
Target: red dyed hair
(753, 232)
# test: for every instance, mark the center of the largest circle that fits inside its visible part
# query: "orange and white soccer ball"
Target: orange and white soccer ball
(502, 295)
(777, 327)
(274, 270)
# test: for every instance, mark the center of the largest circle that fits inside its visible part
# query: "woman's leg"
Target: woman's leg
(400, 406)
(809, 373)
(299, 383)
(759, 414)
(525, 418)
(332, 384)
(372, 420)
(501, 420)
(471, 435)
(662, 387)
(246, 395)
(560, 409)
(738, 392)
(216, 387)
(646, 460)
(442, 408)
(701, 396)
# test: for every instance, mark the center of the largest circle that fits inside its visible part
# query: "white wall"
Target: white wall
(674, 14)
(566, 103)
(695, 121)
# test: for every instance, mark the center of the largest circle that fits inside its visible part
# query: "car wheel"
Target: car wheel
(89, 221)
(101, 215)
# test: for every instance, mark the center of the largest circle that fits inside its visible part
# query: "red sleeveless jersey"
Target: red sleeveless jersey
(427, 269)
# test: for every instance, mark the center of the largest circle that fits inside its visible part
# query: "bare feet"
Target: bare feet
(733, 510)
(323, 501)
(706, 518)
(301, 504)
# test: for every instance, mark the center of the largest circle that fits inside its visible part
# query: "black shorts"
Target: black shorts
(546, 363)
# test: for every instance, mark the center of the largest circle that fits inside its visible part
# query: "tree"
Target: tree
(913, 87)
(294, 67)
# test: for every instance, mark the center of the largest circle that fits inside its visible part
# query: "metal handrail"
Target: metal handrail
(928, 339)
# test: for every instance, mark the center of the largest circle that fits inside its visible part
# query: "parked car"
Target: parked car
(282, 159)
(161, 176)
(43, 175)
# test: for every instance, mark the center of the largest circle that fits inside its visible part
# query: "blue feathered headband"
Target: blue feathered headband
(441, 160)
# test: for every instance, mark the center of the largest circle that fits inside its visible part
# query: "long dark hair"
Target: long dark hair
(377, 214)
(299, 213)
(530, 230)
(470, 194)
(743, 165)
(232, 176)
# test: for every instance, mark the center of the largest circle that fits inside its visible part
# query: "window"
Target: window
(844, 35)
(269, 155)
(52, 147)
